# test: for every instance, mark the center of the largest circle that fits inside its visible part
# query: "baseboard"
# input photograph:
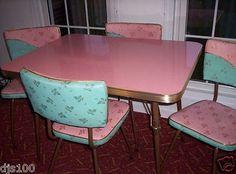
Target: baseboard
(197, 91)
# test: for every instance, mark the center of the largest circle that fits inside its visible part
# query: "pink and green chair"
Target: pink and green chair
(208, 120)
(20, 42)
(136, 31)
(79, 111)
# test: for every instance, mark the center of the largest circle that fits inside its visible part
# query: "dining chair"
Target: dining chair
(20, 42)
(137, 31)
(208, 120)
(80, 111)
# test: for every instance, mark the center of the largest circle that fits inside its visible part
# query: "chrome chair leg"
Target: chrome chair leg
(170, 148)
(133, 125)
(147, 109)
(179, 105)
(57, 148)
(12, 119)
(127, 142)
(37, 133)
(214, 160)
(95, 160)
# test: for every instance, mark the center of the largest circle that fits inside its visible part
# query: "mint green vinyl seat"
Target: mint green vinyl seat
(208, 120)
(80, 111)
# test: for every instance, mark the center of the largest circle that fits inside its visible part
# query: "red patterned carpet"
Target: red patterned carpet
(188, 157)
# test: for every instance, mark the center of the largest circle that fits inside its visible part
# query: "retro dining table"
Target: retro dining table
(156, 71)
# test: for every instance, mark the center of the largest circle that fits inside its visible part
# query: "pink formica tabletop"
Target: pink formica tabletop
(133, 67)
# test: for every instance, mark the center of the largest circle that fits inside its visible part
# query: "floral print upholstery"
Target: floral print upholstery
(208, 121)
(219, 70)
(20, 42)
(223, 49)
(220, 62)
(75, 104)
(134, 30)
(117, 112)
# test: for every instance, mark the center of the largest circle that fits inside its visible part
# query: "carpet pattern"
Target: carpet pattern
(189, 156)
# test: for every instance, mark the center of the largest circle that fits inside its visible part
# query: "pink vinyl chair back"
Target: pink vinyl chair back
(134, 30)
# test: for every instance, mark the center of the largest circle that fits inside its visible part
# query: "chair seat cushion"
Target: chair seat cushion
(117, 113)
(208, 121)
(14, 89)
